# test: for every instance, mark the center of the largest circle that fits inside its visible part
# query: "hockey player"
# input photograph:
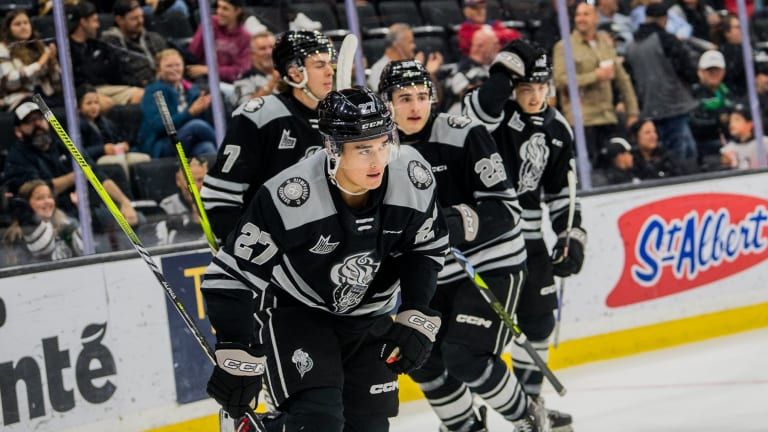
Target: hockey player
(536, 145)
(482, 215)
(318, 239)
(270, 133)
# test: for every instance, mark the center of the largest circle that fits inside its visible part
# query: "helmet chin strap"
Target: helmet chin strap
(302, 85)
(332, 167)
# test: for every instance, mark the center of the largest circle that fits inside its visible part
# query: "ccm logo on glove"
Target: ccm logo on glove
(239, 362)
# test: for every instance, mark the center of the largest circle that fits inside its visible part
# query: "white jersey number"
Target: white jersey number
(251, 235)
(231, 151)
(491, 170)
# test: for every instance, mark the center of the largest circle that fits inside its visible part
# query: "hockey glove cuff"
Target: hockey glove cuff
(510, 63)
(463, 223)
(568, 260)
(236, 378)
(408, 343)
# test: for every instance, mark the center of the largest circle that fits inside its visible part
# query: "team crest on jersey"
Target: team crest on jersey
(458, 122)
(515, 122)
(419, 175)
(533, 154)
(303, 361)
(286, 140)
(352, 277)
(294, 192)
(324, 245)
(253, 105)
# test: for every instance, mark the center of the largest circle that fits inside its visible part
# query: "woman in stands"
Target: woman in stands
(186, 103)
(233, 43)
(40, 231)
(26, 64)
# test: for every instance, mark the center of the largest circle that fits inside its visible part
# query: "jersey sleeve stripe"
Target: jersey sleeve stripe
(208, 194)
(231, 267)
(224, 185)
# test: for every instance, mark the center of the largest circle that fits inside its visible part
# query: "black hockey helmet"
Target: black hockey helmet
(293, 47)
(401, 73)
(535, 60)
(353, 114)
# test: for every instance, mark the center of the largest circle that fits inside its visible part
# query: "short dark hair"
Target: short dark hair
(83, 90)
(75, 13)
(122, 7)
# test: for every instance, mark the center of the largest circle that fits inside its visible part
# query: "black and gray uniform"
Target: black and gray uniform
(264, 136)
(537, 150)
(471, 176)
(328, 278)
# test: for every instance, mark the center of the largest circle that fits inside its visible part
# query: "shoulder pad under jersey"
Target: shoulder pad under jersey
(300, 192)
(410, 181)
(262, 110)
(557, 124)
(452, 129)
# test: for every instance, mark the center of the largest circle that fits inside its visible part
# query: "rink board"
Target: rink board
(97, 346)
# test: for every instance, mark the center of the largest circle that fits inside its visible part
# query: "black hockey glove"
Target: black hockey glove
(236, 378)
(408, 343)
(463, 223)
(566, 263)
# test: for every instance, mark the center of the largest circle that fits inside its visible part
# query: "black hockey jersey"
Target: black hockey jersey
(300, 237)
(537, 150)
(469, 170)
(264, 136)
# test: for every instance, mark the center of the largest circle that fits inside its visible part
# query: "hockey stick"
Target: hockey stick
(170, 129)
(497, 307)
(135, 241)
(345, 62)
(561, 287)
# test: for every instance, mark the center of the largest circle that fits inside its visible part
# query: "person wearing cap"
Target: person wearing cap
(138, 46)
(741, 150)
(232, 43)
(598, 71)
(651, 159)
(663, 75)
(36, 154)
(676, 23)
(709, 121)
(618, 153)
(476, 16)
(95, 62)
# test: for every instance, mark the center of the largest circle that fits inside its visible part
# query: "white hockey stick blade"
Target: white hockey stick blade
(346, 62)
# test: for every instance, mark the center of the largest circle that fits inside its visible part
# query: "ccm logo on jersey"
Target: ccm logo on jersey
(680, 243)
(384, 388)
(473, 320)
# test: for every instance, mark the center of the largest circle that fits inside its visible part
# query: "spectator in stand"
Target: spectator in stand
(186, 103)
(101, 140)
(729, 39)
(261, 78)
(472, 69)
(27, 65)
(731, 7)
(620, 167)
(548, 33)
(651, 160)
(46, 233)
(95, 62)
(183, 218)
(37, 155)
(401, 45)
(476, 17)
(701, 16)
(741, 150)
(598, 70)
(761, 86)
(709, 121)
(138, 46)
(232, 43)
(608, 12)
(663, 73)
(675, 23)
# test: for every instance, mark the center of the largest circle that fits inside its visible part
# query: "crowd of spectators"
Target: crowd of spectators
(661, 83)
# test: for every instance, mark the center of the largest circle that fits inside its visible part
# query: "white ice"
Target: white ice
(716, 385)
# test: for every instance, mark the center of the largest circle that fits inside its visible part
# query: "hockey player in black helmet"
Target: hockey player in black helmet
(317, 242)
(536, 145)
(483, 218)
(270, 133)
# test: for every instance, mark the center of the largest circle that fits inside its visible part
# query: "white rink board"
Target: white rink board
(61, 304)
(586, 312)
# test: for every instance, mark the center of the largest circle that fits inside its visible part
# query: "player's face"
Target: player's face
(42, 203)
(320, 74)
(531, 96)
(411, 105)
(362, 164)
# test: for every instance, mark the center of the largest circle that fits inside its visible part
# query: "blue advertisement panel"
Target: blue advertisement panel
(190, 365)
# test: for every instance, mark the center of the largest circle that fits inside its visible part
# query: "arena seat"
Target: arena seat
(399, 12)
